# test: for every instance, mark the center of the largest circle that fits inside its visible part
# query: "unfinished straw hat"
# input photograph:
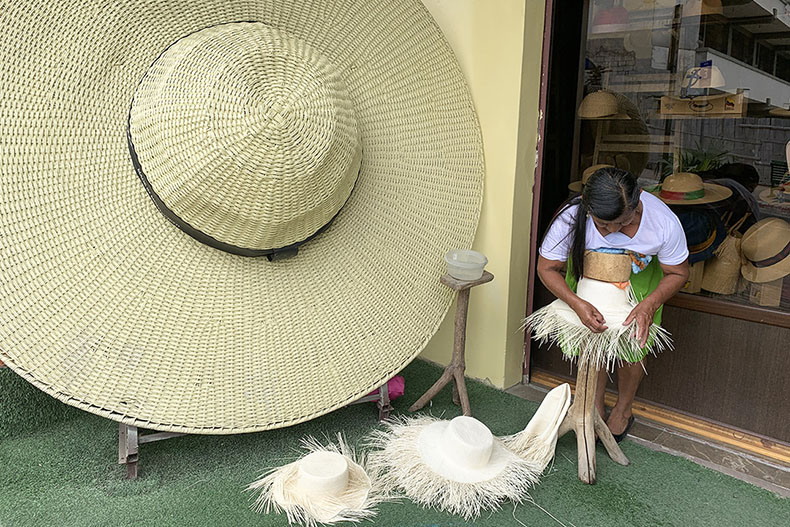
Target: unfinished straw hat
(559, 324)
(148, 146)
(766, 250)
(537, 442)
(456, 466)
(577, 186)
(327, 485)
(686, 188)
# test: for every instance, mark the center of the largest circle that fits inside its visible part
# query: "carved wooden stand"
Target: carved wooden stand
(583, 418)
(455, 370)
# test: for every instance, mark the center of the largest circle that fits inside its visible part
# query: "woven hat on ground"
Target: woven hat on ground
(766, 251)
(685, 188)
(536, 443)
(559, 324)
(456, 466)
(147, 146)
(327, 485)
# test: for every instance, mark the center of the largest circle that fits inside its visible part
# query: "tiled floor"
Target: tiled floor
(759, 471)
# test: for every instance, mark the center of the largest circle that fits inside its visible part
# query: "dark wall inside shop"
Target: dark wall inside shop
(558, 158)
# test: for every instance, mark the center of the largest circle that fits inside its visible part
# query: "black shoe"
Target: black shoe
(620, 437)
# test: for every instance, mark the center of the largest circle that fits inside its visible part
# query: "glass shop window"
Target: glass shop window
(693, 97)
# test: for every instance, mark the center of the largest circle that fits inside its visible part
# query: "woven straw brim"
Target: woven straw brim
(713, 193)
(107, 306)
(760, 275)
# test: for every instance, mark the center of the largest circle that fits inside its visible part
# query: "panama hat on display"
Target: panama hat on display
(601, 104)
(685, 188)
(152, 149)
(721, 273)
(327, 485)
(536, 443)
(577, 186)
(602, 286)
(766, 250)
(456, 466)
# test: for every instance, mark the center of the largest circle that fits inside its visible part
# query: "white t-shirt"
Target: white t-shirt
(660, 234)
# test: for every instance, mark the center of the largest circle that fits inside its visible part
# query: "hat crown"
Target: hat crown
(598, 104)
(247, 135)
(323, 473)
(468, 442)
(765, 239)
(682, 182)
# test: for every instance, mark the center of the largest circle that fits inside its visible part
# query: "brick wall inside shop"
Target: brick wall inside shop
(753, 141)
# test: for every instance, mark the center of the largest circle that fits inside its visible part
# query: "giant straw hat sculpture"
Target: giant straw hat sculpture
(327, 485)
(456, 466)
(536, 443)
(150, 149)
(602, 286)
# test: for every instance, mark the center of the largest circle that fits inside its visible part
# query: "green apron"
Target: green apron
(642, 283)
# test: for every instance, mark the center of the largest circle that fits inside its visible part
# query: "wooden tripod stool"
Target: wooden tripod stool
(583, 418)
(455, 370)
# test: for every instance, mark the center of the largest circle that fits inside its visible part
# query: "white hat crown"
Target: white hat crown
(323, 473)
(468, 442)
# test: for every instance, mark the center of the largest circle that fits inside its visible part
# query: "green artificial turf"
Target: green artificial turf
(57, 468)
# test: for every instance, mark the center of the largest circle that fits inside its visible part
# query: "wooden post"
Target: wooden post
(455, 370)
(583, 418)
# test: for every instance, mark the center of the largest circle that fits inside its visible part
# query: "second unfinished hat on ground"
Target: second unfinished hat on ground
(457, 466)
(328, 485)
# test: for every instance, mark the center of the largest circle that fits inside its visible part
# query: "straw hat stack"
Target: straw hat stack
(601, 104)
(154, 148)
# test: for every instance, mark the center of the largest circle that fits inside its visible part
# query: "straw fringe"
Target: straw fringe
(532, 448)
(272, 484)
(601, 350)
(398, 460)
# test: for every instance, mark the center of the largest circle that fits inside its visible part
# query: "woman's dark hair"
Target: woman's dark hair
(608, 194)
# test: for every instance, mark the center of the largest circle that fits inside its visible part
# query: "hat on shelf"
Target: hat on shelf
(702, 7)
(148, 163)
(766, 250)
(536, 443)
(704, 233)
(703, 77)
(577, 186)
(559, 324)
(456, 466)
(327, 485)
(685, 188)
(602, 105)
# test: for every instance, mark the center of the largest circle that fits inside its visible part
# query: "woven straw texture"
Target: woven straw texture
(108, 306)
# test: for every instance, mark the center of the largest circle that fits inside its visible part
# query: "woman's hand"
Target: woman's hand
(590, 317)
(643, 314)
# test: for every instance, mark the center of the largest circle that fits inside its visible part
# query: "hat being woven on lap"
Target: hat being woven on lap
(150, 148)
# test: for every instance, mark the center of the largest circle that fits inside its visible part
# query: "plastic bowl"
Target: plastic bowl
(465, 264)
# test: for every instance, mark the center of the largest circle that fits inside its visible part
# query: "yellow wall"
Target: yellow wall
(498, 45)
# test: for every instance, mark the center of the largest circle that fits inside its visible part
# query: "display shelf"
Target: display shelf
(730, 307)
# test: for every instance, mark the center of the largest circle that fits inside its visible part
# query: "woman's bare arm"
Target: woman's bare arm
(674, 279)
